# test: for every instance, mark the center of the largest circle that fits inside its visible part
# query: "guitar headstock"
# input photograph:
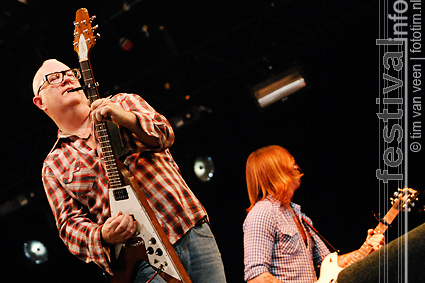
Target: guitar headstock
(84, 39)
(404, 199)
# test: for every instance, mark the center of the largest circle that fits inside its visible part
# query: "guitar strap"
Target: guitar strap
(320, 236)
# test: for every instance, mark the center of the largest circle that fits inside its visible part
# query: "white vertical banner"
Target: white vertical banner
(399, 104)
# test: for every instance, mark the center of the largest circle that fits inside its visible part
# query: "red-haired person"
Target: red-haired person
(278, 245)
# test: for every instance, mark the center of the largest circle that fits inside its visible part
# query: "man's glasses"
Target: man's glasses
(58, 77)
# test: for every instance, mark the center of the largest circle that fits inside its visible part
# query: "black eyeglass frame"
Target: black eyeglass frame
(76, 74)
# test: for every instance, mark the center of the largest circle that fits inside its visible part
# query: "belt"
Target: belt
(202, 221)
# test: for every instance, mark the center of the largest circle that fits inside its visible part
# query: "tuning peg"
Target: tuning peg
(95, 27)
(92, 18)
(76, 23)
(97, 36)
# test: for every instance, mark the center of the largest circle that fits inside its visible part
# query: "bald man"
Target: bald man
(76, 184)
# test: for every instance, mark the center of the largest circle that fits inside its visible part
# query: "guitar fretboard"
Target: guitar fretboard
(101, 129)
(366, 249)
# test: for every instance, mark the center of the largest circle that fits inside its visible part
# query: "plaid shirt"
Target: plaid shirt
(75, 181)
(273, 243)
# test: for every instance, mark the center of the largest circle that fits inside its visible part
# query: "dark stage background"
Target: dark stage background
(202, 57)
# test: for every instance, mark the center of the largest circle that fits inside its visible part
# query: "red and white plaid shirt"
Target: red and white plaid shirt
(76, 185)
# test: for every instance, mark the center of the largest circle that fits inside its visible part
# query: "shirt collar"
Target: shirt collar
(275, 201)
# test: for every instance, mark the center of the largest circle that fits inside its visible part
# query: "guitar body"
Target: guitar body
(330, 269)
(126, 266)
(149, 243)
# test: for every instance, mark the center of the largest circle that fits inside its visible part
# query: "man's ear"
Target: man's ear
(38, 101)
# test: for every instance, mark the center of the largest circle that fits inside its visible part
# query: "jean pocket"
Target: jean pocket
(203, 230)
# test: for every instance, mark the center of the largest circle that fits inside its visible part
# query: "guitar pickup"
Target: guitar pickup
(121, 194)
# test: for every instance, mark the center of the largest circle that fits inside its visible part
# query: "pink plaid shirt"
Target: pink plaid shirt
(76, 185)
(273, 243)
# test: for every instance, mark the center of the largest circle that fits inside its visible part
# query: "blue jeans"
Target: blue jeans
(199, 255)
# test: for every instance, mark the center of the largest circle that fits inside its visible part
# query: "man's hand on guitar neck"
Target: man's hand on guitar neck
(104, 110)
(118, 229)
(374, 240)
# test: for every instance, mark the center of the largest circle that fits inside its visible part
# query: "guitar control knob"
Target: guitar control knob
(158, 252)
(152, 241)
(150, 250)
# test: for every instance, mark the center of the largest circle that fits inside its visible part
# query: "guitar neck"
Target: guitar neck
(101, 129)
(366, 249)
(89, 82)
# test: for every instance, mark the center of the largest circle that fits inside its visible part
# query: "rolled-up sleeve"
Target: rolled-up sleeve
(153, 123)
(259, 234)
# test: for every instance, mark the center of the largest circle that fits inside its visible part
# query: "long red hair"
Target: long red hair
(270, 171)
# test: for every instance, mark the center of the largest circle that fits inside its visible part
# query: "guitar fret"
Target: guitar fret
(111, 167)
(107, 147)
(107, 152)
(115, 184)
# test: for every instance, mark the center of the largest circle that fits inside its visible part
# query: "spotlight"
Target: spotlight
(204, 168)
(36, 251)
(278, 87)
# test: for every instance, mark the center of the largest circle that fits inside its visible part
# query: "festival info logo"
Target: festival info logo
(400, 90)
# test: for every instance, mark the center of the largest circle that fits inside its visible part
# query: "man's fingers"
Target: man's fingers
(99, 102)
(126, 225)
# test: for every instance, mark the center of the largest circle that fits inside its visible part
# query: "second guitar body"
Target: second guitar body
(330, 269)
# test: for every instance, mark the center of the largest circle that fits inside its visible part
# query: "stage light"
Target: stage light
(204, 168)
(36, 251)
(279, 87)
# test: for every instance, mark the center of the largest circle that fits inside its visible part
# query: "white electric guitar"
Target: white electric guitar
(403, 199)
(150, 242)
